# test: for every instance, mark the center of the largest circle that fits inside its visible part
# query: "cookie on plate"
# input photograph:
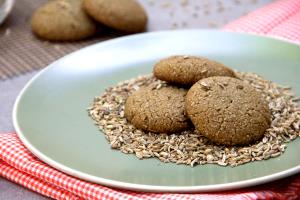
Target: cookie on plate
(123, 15)
(158, 110)
(62, 20)
(227, 111)
(187, 70)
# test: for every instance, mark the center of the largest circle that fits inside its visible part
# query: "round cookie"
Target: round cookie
(124, 15)
(62, 20)
(227, 110)
(187, 70)
(158, 110)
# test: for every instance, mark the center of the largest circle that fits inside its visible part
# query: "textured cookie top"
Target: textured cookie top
(124, 15)
(187, 70)
(158, 110)
(227, 110)
(62, 20)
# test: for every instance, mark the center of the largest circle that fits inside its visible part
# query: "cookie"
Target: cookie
(123, 15)
(227, 111)
(187, 70)
(158, 110)
(62, 20)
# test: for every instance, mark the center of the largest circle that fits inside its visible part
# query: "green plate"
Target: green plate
(51, 119)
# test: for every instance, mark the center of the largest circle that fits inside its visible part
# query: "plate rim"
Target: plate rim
(142, 187)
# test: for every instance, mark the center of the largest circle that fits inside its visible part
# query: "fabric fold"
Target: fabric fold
(17, 164)
(279, 19)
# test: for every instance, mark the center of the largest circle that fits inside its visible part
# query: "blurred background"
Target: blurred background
(18, 44)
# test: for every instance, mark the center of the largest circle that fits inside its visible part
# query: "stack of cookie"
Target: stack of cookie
(202, 94)
(68, 20)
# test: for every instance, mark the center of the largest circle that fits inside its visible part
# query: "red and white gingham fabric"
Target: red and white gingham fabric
(279, 19)
(19, 165)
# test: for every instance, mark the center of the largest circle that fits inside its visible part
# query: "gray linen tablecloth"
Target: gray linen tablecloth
(18, 49)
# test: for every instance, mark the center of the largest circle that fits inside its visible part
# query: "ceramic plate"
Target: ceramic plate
(5, 8)
(51, 119)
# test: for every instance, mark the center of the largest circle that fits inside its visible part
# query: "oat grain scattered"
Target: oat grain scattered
(189, 147)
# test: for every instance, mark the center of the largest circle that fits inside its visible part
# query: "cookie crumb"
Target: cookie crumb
(245, 13)
(212, 24)
(166, 5)
(203, 71)
(184, 2)
(57, 47)
(221, 85)
(237, 2)
(63, 4)
(204, 86)
(206, 12)
(220, 9)
(195, 15)
(151, 2)
(174, 25)
(240, 87)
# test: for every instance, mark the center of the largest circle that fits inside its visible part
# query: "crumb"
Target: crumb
(206, 12)
(212, 24)
(184, 24)
(220, 9)
(245, 13)
(174, 26)
(184, 2)
(166, 5)
(57, 47)
(226, 21)
(237, 2)
(151, 2)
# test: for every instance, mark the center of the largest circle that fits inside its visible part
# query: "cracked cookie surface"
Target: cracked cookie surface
(227, 111)
(187, 70)
(158, 110)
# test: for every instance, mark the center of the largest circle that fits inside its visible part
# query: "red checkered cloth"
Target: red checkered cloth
(19, 165)
(279, 19)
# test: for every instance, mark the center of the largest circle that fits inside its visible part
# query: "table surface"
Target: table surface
(163, 15)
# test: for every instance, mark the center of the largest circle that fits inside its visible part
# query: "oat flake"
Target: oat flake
(190, 147)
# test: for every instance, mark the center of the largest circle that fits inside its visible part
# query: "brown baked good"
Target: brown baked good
(124, 15)
(62, 20)
(158, 110)
(187, 70)
(227, 111)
